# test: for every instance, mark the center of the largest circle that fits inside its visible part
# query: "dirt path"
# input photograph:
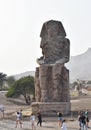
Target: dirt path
(47, 124)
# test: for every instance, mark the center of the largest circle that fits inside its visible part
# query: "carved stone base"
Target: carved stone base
(51, 107)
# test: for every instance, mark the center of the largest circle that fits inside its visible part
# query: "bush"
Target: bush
(10, 93)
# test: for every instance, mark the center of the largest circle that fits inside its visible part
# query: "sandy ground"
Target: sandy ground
(46, 125)
(49, 123)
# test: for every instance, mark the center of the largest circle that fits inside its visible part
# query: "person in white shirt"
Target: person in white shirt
(63, 127)
(32, 119)
(18, 120)
(2, 111)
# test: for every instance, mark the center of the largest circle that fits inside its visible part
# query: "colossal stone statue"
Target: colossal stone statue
(52, 77)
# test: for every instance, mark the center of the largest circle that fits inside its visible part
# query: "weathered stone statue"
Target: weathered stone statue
(52, 77)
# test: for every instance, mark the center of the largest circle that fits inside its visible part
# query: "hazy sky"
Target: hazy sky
(21, 22)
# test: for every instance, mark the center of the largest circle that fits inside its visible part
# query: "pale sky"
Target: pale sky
(21, 22)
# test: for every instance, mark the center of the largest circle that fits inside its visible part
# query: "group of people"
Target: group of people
(83, 118)
(32, 119)
(61, 121)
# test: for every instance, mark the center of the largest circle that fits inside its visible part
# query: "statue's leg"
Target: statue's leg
(56, 77)
(43, 77)
(37, 86)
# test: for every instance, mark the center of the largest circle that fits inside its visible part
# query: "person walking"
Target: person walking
(63, 126)
(87, 122)
(79, 119)
(60, 118)
(32, 119)
(83, 122)
(39, 118)
(87, 117)
(20, 112)
(2, 111)
(18, 120)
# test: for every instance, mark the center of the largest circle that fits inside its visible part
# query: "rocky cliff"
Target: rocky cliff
(80, 66)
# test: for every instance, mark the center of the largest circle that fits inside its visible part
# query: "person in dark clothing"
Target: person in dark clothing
(79, 116)
(87, 121)
(39, 119)
(83, 122)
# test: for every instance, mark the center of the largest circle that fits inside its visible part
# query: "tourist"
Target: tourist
(86, 113)
(60, 118)
(20, 112)
(2, 111)
(63, 126)
(83, 122)
(18, 120)
(87, 117)
(39, 118)
(87, 122)
(79, 120)
(32, 119)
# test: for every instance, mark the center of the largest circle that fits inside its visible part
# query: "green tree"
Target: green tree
(23, 86)
(2, 79)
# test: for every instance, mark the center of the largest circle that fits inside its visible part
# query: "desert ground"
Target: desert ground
(82, 103)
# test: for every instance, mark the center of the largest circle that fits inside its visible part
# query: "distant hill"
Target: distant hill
(27, 73)
(80, 66)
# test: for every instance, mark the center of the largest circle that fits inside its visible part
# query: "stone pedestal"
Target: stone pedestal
(51, 108)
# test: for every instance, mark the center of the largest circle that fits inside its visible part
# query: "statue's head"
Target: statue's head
(54, 45)
(52, 28)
